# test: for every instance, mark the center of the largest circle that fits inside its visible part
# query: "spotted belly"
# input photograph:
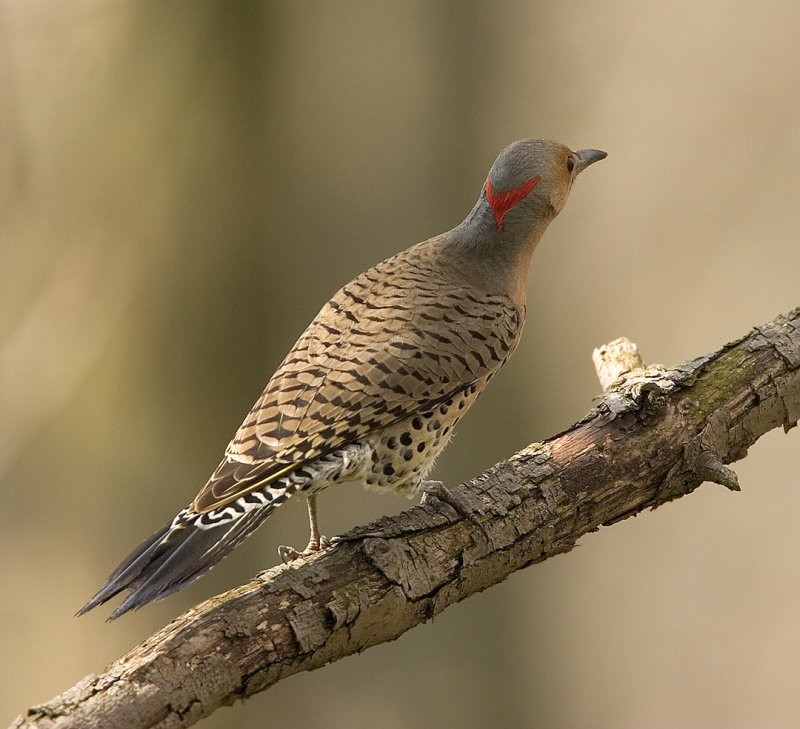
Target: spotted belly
(402, 455)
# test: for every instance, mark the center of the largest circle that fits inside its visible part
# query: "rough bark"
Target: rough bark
(657, 435)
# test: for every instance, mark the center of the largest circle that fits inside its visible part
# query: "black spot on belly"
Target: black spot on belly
(416, 423)
(408, 454)
(405, 439)
(388, 470)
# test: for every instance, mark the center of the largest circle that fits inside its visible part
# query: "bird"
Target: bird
(372, 389)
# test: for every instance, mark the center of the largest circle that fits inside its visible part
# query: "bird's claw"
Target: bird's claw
(290, 554)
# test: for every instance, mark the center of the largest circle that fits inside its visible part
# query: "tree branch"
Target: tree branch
(656, 435)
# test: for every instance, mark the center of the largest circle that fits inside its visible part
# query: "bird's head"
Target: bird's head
(530, 182)
(527, 186)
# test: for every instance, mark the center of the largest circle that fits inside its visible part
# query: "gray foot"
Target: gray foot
(289, 554)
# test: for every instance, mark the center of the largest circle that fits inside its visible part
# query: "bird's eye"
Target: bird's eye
(570, 164)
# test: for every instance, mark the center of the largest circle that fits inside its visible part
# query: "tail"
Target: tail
(187, 547)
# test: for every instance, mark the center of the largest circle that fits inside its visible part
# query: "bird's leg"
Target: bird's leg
(316, 541)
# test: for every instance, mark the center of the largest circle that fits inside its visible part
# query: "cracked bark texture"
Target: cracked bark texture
(657, 435)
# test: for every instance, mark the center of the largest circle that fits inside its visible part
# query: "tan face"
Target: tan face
(557, 180)
(530, 182)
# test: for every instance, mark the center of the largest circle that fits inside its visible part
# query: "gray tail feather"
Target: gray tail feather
(171, 558)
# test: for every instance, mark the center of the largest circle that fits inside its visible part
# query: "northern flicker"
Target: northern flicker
(373, 388)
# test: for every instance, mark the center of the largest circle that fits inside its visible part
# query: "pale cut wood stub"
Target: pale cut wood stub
(619, 366)
(655, 436)
(615, 359)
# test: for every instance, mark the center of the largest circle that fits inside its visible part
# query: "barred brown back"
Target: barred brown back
(399, 339)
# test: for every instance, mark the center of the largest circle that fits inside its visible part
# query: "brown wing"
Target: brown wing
(394, 341)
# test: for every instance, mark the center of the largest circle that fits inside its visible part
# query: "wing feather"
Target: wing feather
(397, 340)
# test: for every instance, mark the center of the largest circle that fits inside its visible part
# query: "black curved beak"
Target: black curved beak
(588, 157)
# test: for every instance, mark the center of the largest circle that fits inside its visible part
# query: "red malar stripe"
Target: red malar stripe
(503, 202)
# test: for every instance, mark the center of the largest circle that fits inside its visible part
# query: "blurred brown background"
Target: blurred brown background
(183, 184)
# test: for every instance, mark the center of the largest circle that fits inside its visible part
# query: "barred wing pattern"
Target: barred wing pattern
(395, 341)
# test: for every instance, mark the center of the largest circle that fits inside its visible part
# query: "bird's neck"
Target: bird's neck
(496, 260)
